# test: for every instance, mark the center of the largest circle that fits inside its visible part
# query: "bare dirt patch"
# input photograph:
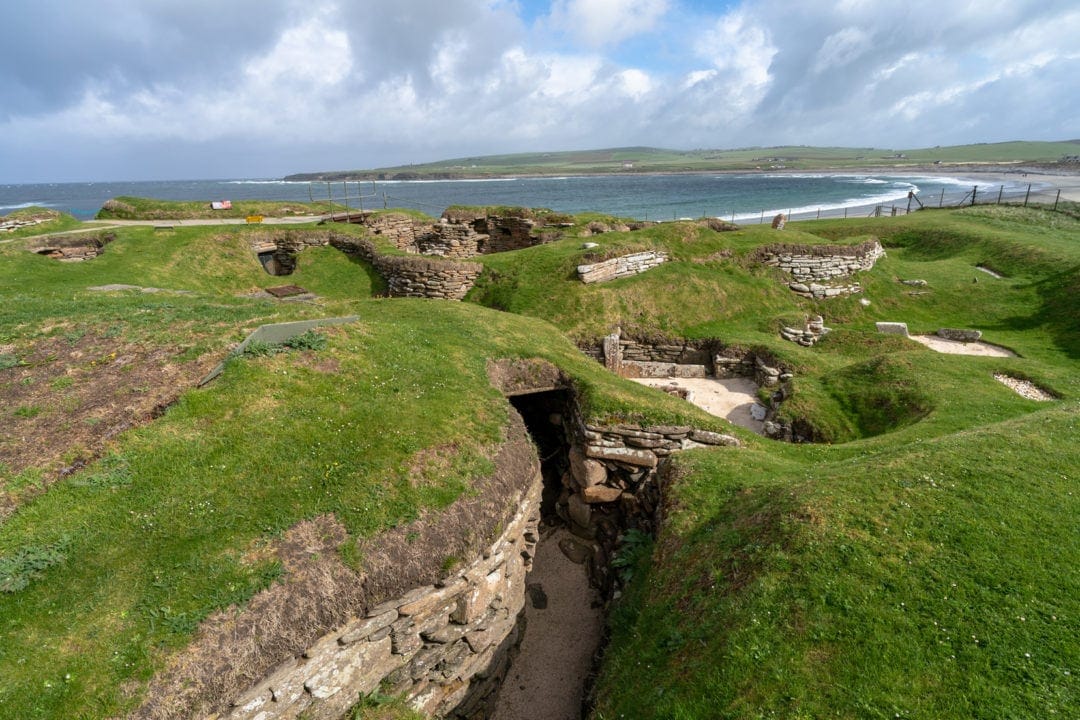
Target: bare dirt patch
(956, 347)
(729, 398)
(68, 397)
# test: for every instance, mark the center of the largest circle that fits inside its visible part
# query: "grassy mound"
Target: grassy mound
(136, 208)
(925, 564)
(937, 579)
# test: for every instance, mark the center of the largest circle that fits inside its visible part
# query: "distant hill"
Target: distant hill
(652, 160)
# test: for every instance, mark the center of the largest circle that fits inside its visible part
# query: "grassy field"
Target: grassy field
(136, 208)
(921, 561)
(647, 159)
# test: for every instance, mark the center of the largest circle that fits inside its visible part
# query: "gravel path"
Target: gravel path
(1025, 388)
(562, 632)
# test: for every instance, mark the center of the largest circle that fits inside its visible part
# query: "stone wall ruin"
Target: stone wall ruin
(446, 644)
(73, 248)
(814, 267)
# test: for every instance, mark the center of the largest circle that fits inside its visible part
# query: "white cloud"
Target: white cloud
(606, 22)
(313, 53)
(417, 80)
(741, 53)
(841, 48)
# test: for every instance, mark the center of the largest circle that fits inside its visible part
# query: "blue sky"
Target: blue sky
(171, 89)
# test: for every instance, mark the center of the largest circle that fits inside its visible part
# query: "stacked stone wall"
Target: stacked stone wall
(813, 262)
(414, 276)
(401, 230)
(620, 267)
(508, 233)
(456, 236)
(445, 647)
(74, 248)
(451, 240)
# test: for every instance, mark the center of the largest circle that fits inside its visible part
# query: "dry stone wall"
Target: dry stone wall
(414, 276)
(74, 248)
(445, 647)
(620, 267)
(815, 262)
(456, 235)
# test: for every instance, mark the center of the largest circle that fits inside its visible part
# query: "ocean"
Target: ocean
(742, 197)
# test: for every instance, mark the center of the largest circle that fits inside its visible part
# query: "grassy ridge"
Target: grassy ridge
(136, 208)
(800, 581)
(647, 159)
(111, 570)
(936, 579)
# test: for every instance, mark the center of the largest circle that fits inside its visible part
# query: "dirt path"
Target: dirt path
(562, 631)
(729, 398)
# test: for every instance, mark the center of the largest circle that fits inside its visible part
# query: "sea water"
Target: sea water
(745, 197)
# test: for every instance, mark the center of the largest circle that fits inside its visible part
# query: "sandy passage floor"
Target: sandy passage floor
(562, 631)
(955, 347)
(729, 398)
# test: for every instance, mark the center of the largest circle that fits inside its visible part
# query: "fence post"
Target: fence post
(845, 212)
(345, 186)
(762, 220)
(819, 213)
(974, 190)
(1000, 190)
(1057, 199)
(941, 201)
(1027, 195)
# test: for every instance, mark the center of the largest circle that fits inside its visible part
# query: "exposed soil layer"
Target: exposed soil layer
(563, 629)
(69, 396)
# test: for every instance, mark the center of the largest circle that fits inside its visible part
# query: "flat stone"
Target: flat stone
(640, 458)
(367, 626)
(712, 438)
(586, 471)
(600, 494)
(432, 599)
(960, 335)
(892, 328)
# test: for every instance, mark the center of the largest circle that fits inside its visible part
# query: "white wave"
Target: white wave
(266, 182)
(23, 206)
(435, 182)
(867, 201)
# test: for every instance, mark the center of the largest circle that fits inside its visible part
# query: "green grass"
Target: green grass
(53, 221)
(936, 579)
(136, 208)
(648, 159)
(146, 542)
(881, 573)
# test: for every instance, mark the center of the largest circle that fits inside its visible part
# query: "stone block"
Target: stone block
(960, 335)
(707, 437)
(361, 629)
(600, 494)
(892, 328)
(640, 458)
(586, 471)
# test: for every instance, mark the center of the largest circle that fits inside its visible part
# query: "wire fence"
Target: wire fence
(999, 194)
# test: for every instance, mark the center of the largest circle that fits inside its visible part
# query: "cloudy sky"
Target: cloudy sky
(175, 89)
